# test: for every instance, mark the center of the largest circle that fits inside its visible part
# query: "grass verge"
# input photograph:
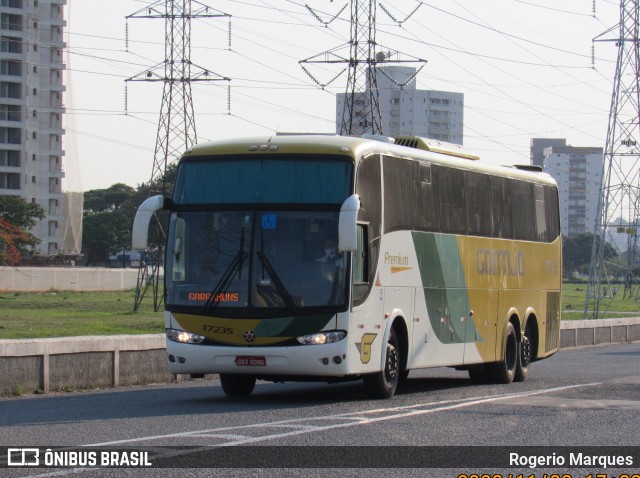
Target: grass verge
(25, 315)
(70, 313)
(574, 296)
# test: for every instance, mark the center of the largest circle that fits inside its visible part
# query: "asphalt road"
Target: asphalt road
(586, 397)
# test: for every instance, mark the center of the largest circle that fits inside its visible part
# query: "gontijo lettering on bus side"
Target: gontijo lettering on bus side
(497, 262)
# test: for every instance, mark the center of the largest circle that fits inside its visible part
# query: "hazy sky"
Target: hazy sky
(524, 67)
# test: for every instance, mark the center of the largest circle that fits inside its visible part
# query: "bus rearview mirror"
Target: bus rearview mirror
(347, 224)
(140, 233)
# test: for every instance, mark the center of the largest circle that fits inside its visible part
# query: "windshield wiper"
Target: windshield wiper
(225, 280)
(227, 277)
(282, 290)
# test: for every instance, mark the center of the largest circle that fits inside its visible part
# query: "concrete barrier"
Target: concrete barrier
(578, 333)
(73, 363)
(33, 279)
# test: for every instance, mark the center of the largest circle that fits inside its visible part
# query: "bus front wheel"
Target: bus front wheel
(383, 384)
(235, 385)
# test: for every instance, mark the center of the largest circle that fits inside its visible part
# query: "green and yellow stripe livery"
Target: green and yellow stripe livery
(321, 257)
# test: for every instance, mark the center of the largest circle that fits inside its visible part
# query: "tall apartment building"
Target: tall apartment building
(538, 145)
(31, 110)
(578, 172)
(405, 110)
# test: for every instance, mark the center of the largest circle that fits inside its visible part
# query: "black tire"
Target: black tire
(479, 374)
(383, 384)
(235, 385)
(525, 354)
(505, 370)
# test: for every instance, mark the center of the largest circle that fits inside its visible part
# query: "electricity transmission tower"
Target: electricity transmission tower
(615, 262)
(176, 126)
(363, 57)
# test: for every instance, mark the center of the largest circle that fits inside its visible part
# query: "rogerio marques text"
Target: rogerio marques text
(572, 459)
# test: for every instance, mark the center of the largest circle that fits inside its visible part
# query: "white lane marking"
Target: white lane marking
(302, 427)
(352, 419)
(219, 435)
(580, 403)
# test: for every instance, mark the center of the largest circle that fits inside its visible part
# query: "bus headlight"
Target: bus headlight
(184, 337)
(322, 337)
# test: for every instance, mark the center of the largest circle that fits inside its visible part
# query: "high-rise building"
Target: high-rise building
(405, 110)
(578, 172)
(537, 146)
(31, 110)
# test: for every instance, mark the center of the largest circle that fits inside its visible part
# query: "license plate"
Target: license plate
(250, 361)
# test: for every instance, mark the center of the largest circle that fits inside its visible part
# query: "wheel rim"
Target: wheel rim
(526, 352)
(392, 365)
(511, 352)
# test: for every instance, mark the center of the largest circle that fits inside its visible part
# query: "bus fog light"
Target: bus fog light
(322, 337)
(184, 337)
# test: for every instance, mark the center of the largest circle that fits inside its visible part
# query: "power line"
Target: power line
(501, 92)
(490, 28)
(559, 10)
(282, 48)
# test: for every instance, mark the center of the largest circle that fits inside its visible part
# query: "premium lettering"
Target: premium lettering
(396, 260)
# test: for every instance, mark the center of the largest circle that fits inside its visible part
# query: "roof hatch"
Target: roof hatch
(436, 146)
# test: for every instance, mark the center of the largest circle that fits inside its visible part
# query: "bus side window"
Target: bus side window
(425, 197)
(453, 204)
(398, 200)
(551, 211)
(361, 285)
(178, 271)
(500, 204)
(523, 211)
(478, 204)
(360, 260)
(541, 217)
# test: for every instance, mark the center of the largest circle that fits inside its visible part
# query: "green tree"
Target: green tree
(117, 196)
(107, 221)
(108, 216)
(18, 217)
(105, 233)
(576, 253)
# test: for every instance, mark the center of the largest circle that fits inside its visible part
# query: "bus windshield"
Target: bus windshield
(308, 179)
(258, 235)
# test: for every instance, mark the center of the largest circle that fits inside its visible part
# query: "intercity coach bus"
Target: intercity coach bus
(324, 257)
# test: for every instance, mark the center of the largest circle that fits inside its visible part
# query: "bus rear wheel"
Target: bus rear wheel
(383, 384)
(235, 385)
(505, 370)
(525, 355)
